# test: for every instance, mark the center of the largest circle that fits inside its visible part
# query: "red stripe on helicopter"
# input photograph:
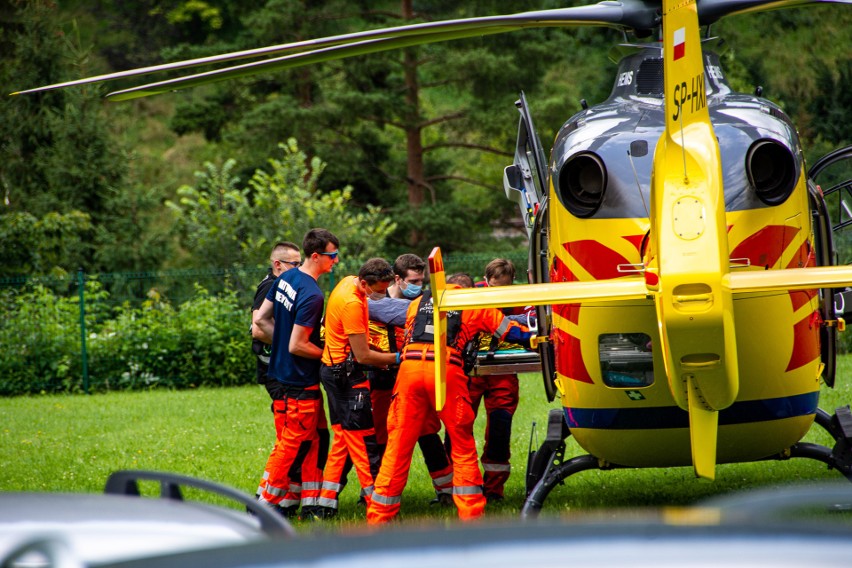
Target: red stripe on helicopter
(559, 272)
(569, 358)
(805, 342)
(679, 43)
(570, 312)
(801, 297)
(636, 241)
(803, 257)
(597, 259)
(765, 247)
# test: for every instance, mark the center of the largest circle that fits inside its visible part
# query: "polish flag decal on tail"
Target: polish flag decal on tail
(679, 43)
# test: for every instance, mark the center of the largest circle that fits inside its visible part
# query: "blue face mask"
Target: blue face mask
(412, 290)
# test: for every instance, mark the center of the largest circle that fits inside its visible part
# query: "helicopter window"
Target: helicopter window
(649, 80)
(626, 360)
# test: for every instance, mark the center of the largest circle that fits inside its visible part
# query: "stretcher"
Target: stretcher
(506, 361)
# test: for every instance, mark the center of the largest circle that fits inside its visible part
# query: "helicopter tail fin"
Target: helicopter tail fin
(438, 282)
(686, 100)
(689, 238)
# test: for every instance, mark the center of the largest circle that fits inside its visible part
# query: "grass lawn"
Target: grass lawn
(72, 443)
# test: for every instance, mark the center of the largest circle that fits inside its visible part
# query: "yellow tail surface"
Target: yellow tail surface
(689, 242)
(438, 281)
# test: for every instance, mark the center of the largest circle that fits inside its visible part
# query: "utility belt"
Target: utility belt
(413, 355)
(348, 373)
(301, 393)
(279, 391)
(347, 367)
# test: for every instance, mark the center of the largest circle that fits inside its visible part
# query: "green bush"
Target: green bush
(40, 339)
(202, 341)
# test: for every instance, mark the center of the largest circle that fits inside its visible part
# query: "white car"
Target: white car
(779, 528)
(80, 529)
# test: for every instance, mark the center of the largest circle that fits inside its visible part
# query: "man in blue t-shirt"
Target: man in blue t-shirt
(289, 319)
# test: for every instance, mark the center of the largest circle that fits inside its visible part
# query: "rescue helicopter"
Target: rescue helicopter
(681, 256)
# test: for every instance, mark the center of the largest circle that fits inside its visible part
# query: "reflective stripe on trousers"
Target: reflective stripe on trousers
(382, 500)
(467, 490)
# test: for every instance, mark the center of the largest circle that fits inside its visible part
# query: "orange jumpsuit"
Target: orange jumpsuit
(414, 403)
(500, 394)
(388, 339)
(350, 409)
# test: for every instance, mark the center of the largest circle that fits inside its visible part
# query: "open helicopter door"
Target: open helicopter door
(526, 182)
(832, 203)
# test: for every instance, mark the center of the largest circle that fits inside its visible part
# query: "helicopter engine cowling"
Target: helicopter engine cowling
(771, 169)
(582, 183)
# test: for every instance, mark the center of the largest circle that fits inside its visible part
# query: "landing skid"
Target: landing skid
(546, 468)
(840, 456)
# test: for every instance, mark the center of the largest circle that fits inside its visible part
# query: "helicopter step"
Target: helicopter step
(547, 468)
(550, 452)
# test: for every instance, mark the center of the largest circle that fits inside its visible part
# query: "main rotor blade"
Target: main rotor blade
(638, 15)
(635, 14)
(613, 14)
(710, 11)
(281, 63)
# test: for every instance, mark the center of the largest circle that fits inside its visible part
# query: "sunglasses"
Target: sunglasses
(293, 263)
(331, 255)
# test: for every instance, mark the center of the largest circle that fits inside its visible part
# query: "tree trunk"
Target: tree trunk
(413, 131)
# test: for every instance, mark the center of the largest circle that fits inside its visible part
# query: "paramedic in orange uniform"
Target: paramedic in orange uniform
(387, 333)
(409, 272)
(346, 353)
(414, 402)
(499, 392)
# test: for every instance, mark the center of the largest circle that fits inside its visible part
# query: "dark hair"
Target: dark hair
(281, 245)
(317, 239)
(406, 262)
(499, 267)
(376, 270)
(462, 279)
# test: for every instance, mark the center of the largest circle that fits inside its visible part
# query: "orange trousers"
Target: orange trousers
(294, 496)
(298, 441)
(434, 454)
(414, 404)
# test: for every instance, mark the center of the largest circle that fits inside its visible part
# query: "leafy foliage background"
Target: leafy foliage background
(417, 137)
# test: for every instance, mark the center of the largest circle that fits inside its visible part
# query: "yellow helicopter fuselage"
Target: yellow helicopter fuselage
(627, 422)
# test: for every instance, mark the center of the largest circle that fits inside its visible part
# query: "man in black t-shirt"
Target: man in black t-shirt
(285, 255)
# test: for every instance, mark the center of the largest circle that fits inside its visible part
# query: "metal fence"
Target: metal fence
(109, 331)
